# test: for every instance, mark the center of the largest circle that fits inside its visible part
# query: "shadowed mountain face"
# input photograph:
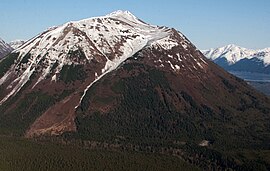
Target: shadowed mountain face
(116, 78)
(4, 48)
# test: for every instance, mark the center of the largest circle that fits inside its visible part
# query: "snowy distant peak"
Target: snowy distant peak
(4, 48)
(231, 52)
(264, 55)
(234, 53)
(16, 43)
(235, 48)
(3, 44)
(2, 41)
(232, 46)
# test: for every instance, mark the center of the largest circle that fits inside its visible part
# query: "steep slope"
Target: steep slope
(119, 80)
(108, 45)
(150, 98)
(236, 58)
(16, 43)
(74, 56)
(4, 48)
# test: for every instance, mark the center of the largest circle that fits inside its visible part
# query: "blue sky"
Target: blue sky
(207, 23)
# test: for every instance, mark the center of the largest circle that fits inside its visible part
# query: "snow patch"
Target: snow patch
(178, 57)
(171, 65)
(177, 67)
(22, 80)
(166, 43)
(54, 78)
(185, 46)
(204, 143)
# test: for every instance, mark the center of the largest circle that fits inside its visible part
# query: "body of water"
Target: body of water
(250, 76)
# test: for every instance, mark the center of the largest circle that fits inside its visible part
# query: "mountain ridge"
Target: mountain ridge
(234, 53)
(236, 58)
(5, 48)
(16, 43)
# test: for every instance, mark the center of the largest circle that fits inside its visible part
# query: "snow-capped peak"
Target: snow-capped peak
(120, 13)
(3, 44)
(110, 40)
(16, 43)
(234, 53)
(125, 15)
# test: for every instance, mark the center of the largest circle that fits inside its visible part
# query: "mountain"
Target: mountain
(4, 48)
(236, 58)
(16, 43)
(118, 80)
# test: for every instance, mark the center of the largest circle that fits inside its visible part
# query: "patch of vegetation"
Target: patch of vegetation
(231, 87)
(71, 73)
(147, 116)
(130, 66)
(78, 53)
(118, 87)
(26, 58)
(189, 99)
(64, 94)
(158, 78)
(19, 117)
(104, 100)
(6, 63)
(55, 65)
(142, 116)
(19, 154)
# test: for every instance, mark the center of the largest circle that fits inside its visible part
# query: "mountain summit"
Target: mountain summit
(117, 78)
(109, 40)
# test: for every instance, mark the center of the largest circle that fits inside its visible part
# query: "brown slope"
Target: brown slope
(144, 100)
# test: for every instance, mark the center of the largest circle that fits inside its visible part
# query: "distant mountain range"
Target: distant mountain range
(5, 48)
(16, 43)
(236, 58)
